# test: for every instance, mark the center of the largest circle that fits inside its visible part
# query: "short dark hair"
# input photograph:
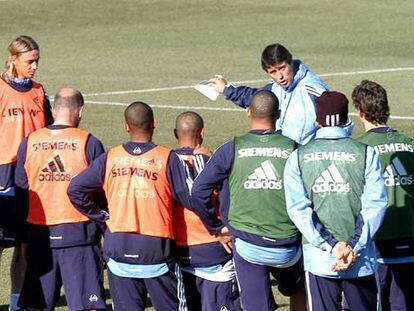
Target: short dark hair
(68, 98)
(274, 54)
(264, 105)
(189, 123)
(139, 116)
(371, 99)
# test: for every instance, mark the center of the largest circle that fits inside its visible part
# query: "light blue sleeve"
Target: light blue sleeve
(349, 127)
(299, 207)
(373, 200)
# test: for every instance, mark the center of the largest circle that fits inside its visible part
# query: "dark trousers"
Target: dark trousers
(205, 295)
(397, 288)
(131, 294)
(326, 293)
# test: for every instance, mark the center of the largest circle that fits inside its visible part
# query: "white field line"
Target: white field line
(207, 108)
(183, 87)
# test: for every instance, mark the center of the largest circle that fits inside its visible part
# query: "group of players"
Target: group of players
(329, 217)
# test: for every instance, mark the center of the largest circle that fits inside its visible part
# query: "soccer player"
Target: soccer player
(248, 171)
(395, 238)
(63, 245)
(141, 181)
(207, 268)
(24, 108)
(295, 86)
(336, 196)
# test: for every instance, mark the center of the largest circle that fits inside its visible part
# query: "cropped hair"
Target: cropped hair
(371, 99)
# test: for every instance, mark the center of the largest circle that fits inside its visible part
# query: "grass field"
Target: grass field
(117, 52)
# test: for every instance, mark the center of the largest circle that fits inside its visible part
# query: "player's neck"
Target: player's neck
(188, 142)
(65, 121)
(140, 138)
(268, 126)
(369, 126)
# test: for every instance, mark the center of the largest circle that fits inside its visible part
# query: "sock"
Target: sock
(14, 299)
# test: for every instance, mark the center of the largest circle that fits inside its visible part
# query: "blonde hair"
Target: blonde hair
(18, 46)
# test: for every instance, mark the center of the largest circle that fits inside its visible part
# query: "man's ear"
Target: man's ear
(248, 112)
(277, 115)
(202, 133)
(154, 124)
(126, 127)
(361, 115)
(175, 134)
(80, 112)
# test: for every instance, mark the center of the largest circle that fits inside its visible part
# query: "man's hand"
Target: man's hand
(344, 255)
(225, 238)
(202, 150)
(219, 83)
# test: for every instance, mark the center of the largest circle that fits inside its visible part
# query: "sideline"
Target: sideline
(179, 107)
(183, 87)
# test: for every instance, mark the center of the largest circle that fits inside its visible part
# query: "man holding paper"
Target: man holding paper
(295, 86)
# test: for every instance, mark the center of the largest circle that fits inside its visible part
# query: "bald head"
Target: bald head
(264, 106)
(139, 117)
(68, 98)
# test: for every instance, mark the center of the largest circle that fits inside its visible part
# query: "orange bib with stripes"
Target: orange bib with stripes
(53, 157)
(20, 114)
(188, 227)
(138, 192)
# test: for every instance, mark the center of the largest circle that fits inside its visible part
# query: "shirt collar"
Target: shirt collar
(331, 132)
(381, 129)
(185, 150)
(264, 132)
(301, 71)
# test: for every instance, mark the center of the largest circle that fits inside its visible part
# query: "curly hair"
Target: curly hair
(371, 99)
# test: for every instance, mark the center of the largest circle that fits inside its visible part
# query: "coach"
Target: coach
(295, 86)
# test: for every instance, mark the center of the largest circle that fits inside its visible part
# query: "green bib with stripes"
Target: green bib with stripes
(396, 153)
(333, 173)
(257, 199)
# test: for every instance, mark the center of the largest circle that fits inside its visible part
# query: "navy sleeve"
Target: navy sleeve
(199, 162)
(179, 180)
(242, 95)
(47, 108)
(94, 148)
(20, 176)
(83, 187)
(215, 172)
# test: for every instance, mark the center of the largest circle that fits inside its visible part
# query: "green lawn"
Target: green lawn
(106, 46)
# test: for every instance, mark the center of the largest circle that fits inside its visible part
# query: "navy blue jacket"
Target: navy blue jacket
(153, 250)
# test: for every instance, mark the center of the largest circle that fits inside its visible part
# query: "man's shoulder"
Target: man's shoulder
(312, 83)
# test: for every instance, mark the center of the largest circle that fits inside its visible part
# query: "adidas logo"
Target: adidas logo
(331, 181)
(54, 170)
(93, 298)
(396, 175)
(264, 177)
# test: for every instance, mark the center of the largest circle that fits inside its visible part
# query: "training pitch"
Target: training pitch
(116, 52)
